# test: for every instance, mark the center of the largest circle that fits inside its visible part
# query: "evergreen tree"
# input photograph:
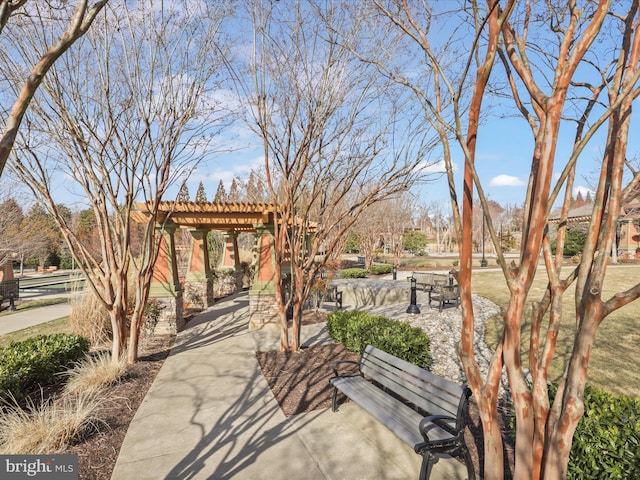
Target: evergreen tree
(221, 194)
(234, 192)
(255, 190)
(201, 195)
(183, 194)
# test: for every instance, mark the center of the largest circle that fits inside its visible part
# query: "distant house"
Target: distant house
(6, 272)
(628, 231)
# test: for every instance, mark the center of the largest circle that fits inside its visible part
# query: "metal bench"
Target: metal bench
(422, 409)
(334, 295)
(427, 281)
(444, 294)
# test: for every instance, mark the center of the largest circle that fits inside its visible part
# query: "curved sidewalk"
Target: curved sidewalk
(210, 415)
(19, 320)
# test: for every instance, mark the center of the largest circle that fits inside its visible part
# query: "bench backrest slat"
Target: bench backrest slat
(432, 393)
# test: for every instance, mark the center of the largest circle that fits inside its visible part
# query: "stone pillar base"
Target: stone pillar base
(263, 310)
(198, 294)
(171, 318)
(228, 284)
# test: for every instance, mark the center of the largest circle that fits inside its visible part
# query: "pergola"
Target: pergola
(199, 218)
(228, 217)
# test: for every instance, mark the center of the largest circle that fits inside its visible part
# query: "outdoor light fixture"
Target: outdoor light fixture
(413, 308)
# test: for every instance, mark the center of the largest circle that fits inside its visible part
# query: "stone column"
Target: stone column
(165, 285)
(263, 307)
(199, 278)
(230, 258)
(230, 264)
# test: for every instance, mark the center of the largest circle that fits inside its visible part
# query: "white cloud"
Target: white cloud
(436, 167)
(506, 181)
(583, 190)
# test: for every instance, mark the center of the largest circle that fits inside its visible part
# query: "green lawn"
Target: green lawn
(61, 325)
(614, 359)
(615, 356)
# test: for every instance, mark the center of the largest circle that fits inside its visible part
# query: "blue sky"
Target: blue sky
(504, 152)
(503, 158)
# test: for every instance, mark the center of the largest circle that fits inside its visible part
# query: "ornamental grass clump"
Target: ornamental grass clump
(48, 427)
(95, 372)
(89, 317)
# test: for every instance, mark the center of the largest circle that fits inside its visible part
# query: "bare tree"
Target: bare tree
(541, 46)
(11, 217)
(48, 16)
(328, 125)
(121, 119)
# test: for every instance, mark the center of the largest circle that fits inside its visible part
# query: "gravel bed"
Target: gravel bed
(444, 329)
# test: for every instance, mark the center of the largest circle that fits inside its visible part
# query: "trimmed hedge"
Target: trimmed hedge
(606, 443)
(380, 269)
(355, 329)
(33, 363)
(353, 273)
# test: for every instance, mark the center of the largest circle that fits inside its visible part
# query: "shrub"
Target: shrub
(606, 443)
(380, 269)
(28, 365)
(353, 273)
(356, 328)
(415, 242)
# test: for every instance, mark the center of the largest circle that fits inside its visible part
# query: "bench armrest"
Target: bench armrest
(336, 367)
(443, 421)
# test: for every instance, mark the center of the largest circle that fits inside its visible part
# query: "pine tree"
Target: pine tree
(255, 190)
(221, 194)
(183, 194)
(201, 196)
(234, 192)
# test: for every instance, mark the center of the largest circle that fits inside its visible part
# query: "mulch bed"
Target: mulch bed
(300, 380)
(98, 453)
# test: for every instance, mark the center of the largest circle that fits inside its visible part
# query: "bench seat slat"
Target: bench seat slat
(392, 413)
(429, 392)
(406, 398)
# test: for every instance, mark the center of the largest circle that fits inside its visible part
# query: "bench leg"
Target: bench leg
(339, 300)
(427, 464)
(334, 400)
(468, 462)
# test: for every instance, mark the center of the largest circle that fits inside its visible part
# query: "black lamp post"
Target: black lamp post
(12, 305)
(483, 262)
(395, 272)
(413, 307)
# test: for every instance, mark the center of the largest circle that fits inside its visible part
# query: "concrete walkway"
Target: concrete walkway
(19, 320)
(210, 415)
